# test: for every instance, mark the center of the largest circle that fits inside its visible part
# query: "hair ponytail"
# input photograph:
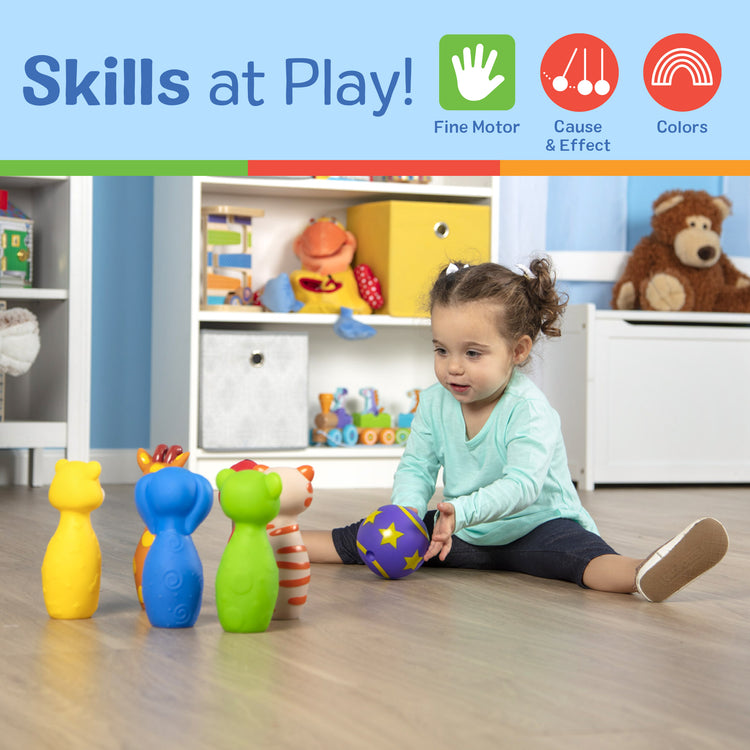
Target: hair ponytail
(528, 299)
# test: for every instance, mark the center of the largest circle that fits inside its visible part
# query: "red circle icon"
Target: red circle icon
(579, 72)
(682, 72)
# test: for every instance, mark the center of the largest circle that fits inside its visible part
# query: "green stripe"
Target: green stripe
(123, 167)
(223, 237)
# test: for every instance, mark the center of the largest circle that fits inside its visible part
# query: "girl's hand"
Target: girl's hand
(442, 534)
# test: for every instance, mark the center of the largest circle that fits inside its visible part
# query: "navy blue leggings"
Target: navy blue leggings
(559, 549)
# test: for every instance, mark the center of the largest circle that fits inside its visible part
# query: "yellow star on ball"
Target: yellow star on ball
(412, 563)
(390, 535)
(371, 518)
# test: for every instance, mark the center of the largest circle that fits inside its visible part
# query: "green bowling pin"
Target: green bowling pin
(247, 581)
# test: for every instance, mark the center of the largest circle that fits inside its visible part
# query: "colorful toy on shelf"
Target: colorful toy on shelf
(278, 295)
(247, 580)
(19, 340)
(72, 565)
(405, 419)
(173, 502)
(227, 265)
(162, 456)
(343, 418)
(681, 265)
(392, 541)
(16, 245)
(327, 283)
(326, 430)
(348, 328)
(373, 424)
(334, 426)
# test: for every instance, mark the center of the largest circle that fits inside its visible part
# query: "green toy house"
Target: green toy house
(16, 232)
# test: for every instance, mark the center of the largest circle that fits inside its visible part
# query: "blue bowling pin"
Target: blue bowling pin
(173, 502)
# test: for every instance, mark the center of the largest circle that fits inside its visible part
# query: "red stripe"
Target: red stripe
(293, 565)
(284, 530)
(419, 167)
(290, 550)
(297, 582)
(296, 600)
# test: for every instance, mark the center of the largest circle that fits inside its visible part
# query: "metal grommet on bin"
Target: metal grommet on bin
(442, 230)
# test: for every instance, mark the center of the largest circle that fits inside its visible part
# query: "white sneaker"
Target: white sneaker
(682, 559)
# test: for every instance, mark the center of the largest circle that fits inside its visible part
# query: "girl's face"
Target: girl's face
(472, 360)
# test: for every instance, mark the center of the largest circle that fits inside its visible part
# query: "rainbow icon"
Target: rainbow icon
(682, 58)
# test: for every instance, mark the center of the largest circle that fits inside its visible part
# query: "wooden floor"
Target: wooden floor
(440, 659)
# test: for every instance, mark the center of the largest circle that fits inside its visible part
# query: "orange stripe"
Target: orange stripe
(290, 550)
(293, 565)
(629, 167)
(293, 583)
(284, 530)
(296, 600)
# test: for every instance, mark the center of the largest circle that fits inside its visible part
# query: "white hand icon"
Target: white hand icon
(474, 82)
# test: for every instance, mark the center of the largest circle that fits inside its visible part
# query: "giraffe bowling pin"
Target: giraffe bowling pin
(247, 580)
(287, 543)
(72, 565)
(162, 457)
(173, 502)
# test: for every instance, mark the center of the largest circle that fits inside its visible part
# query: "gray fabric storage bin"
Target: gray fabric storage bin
(253, 390)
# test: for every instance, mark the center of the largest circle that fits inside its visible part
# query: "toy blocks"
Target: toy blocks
(227, 260)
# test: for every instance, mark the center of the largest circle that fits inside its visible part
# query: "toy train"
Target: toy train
(335, 426)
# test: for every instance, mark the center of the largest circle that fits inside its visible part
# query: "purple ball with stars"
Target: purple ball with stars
(392, 541)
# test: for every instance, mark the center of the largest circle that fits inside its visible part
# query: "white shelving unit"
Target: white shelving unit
(49, 407)
(649, 397)
(396, 360)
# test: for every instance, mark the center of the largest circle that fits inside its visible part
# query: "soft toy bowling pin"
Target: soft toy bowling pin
(173, 502)
(72, 565)
(247, 581)
(287, 543)
(163, 456)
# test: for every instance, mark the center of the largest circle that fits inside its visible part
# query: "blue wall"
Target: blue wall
(121, 320)
(613, 213)
(643, 191)
(581, 214)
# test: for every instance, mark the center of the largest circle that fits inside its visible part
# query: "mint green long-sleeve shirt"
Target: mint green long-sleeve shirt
(507, 480)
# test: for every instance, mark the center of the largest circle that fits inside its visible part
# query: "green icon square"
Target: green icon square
(477, 71)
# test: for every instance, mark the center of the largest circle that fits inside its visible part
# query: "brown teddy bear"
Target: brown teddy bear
(681, 266)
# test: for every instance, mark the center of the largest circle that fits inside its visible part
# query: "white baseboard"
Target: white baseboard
(22, 467)
(119, 466)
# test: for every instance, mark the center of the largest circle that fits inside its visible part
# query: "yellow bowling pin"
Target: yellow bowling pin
(72, 566)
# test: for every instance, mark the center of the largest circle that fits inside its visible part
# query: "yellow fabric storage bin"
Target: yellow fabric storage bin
(406, 243)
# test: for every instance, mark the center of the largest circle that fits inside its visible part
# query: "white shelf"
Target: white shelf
(33, 434)
(395, 361)
(49, 406)
(311, 453)
(32, 294)
(337, 468)
(302, 319)
(290, 188)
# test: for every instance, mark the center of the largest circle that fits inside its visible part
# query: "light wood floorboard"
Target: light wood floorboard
(440, 659)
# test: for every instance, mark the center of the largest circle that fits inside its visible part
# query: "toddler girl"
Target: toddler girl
(508, 500)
